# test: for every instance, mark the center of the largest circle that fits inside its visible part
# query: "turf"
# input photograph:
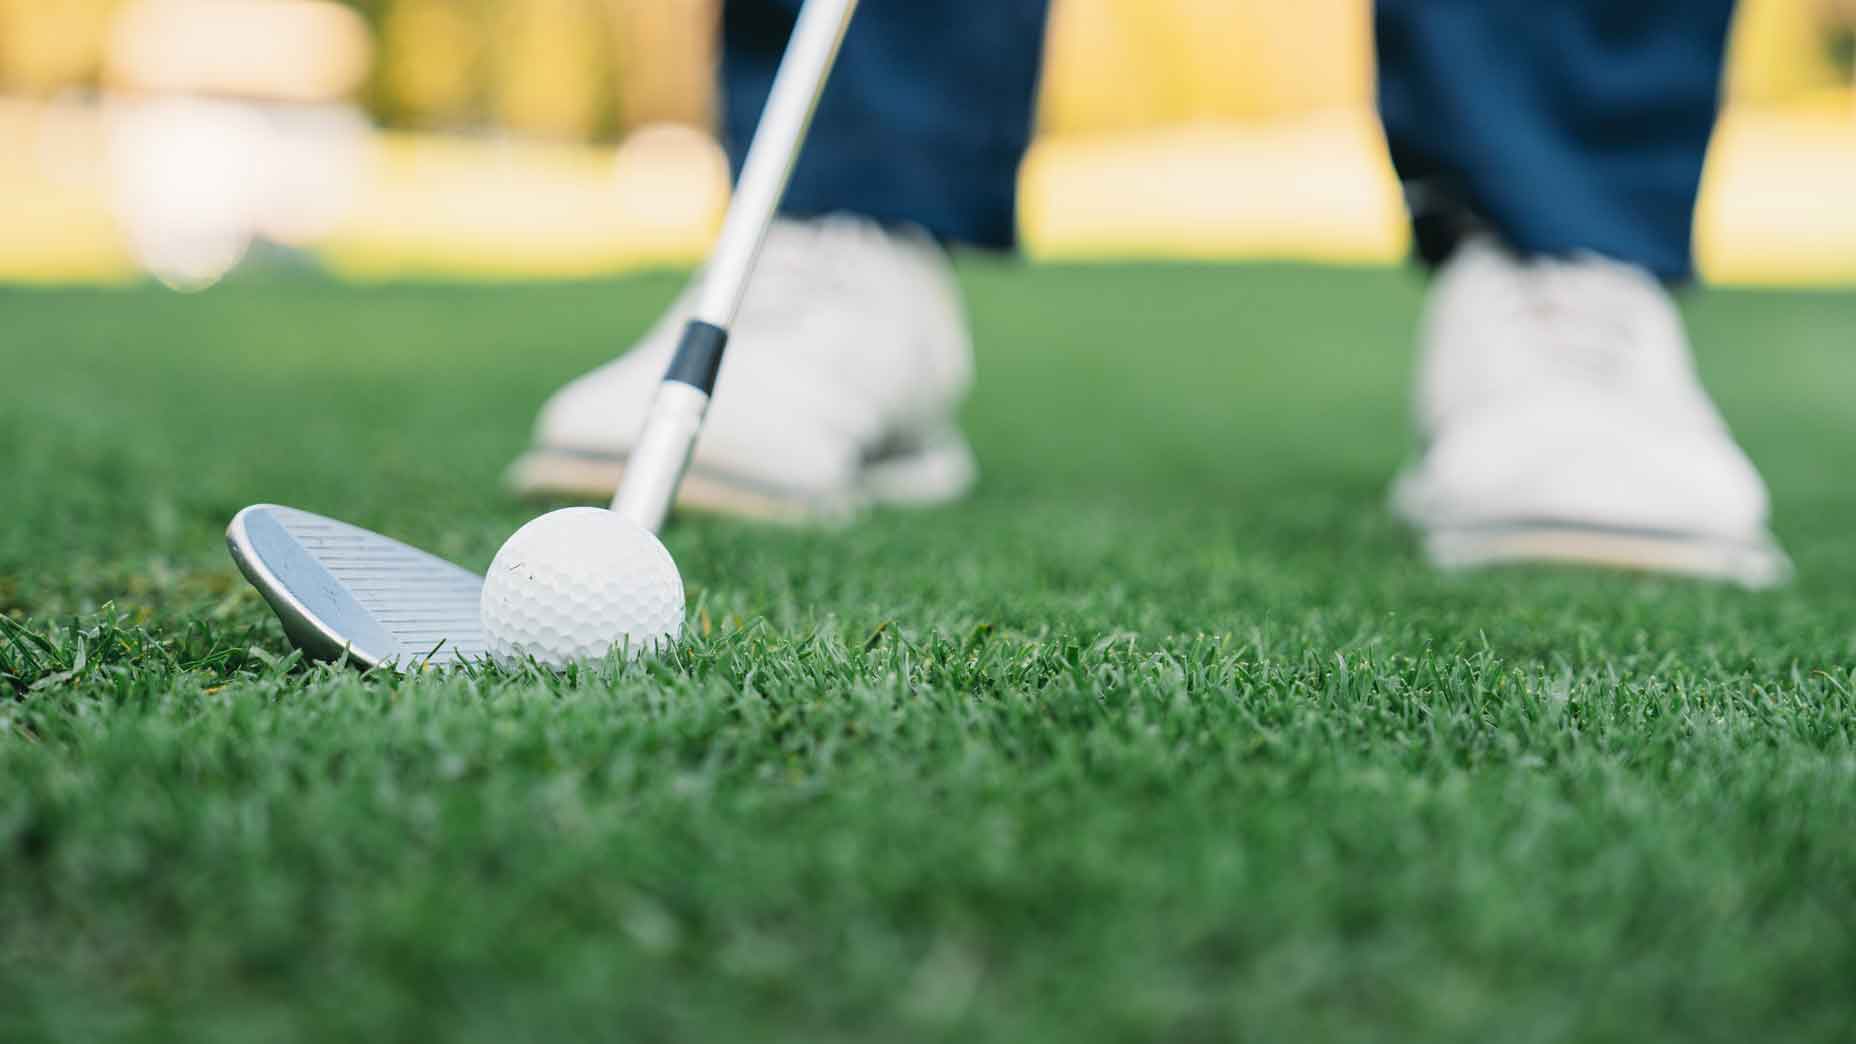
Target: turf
(1167, 733)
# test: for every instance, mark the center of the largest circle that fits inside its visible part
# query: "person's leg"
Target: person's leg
(851, 355)
(924, 121)
(1563, 125)
(1552, 150)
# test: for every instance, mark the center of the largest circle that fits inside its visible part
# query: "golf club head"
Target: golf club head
(341, 590)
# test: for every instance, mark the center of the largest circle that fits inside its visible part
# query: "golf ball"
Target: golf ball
(574, 583)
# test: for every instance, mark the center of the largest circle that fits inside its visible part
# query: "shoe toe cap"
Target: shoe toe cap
(599, 412)
(751, 437)
(1611, 472)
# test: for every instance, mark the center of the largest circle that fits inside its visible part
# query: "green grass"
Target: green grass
(1166, 734)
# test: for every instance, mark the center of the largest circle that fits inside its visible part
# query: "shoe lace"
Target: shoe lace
(803, 263)
(1585, 319)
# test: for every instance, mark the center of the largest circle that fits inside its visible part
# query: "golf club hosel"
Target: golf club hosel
(655, 467)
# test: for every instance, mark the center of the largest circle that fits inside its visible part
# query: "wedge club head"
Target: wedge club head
(341, 590)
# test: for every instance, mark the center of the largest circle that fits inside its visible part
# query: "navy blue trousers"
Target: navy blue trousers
(1560, 125)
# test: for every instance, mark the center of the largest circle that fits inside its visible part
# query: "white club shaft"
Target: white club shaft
(655, 467)
(658, 459)
(810, 53)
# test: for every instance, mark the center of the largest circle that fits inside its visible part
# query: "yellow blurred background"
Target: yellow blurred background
(516, 138)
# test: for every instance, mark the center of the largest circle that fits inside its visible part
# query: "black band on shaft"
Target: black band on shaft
(699, 356)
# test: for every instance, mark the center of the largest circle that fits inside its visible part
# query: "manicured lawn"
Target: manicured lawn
(1166, 734)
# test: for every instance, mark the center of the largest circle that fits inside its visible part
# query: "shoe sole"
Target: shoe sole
(931, 472)
(1758, 564)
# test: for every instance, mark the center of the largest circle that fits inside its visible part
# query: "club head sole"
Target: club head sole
(343, 591)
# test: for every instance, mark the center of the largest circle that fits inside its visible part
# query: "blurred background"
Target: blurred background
(180, 139)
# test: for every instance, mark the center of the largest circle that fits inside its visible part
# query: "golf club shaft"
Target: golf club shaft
(662, 452)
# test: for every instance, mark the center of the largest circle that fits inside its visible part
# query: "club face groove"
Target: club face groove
(340, 590)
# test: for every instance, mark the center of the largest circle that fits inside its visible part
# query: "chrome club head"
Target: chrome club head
(343, 590)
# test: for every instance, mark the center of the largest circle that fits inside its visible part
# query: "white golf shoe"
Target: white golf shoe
(1562, 420)
(844, 371)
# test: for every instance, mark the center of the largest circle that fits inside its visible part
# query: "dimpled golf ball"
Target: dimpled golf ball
(573, 584)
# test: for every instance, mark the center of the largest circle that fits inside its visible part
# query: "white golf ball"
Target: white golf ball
(574, 583)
